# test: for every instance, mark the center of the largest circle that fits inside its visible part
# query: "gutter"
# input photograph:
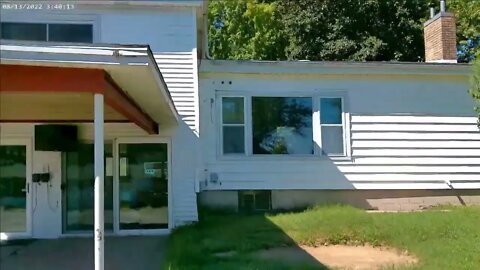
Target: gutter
(333, 68)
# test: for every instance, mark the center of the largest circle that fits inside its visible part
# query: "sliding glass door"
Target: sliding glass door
(136, 188)
(15, 173)
(143, 186)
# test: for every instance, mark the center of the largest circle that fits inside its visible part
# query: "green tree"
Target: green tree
(467, 13)
(358, 30)
(475, 86)
(245, 29)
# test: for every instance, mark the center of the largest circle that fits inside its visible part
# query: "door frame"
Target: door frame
(116, 184)
(27, 142)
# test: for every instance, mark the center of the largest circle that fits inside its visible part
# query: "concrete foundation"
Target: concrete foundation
(387, 200)
(219, 199)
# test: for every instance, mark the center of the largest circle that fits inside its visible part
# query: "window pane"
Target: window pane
(24, 31)
(331, 110)
(70, 33)
(282, 125)
(79, 190)
(332, 140)
(233, 140)
(232, 110)
(143, 186)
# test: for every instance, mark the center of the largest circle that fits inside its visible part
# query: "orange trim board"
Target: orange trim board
(59, 121)
(24, 78)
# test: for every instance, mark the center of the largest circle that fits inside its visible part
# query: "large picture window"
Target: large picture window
(283, 125)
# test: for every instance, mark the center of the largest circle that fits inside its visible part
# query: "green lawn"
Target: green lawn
(440, 239)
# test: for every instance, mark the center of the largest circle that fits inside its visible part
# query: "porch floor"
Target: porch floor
(136, 252)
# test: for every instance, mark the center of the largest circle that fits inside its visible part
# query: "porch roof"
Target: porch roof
(62, 78)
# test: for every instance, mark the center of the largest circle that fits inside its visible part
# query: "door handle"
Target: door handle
(27, 189)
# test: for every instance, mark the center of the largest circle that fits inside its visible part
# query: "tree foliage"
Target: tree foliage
(354, 29)
(361, 30)
(245, 29)
(467, 13)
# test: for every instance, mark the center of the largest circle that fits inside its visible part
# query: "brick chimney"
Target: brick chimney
(440, 37)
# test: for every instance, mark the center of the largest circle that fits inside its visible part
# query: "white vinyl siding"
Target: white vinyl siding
(414, 148)
(178, 70)
(414, 159)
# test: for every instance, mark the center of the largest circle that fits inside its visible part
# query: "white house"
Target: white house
(179, 128)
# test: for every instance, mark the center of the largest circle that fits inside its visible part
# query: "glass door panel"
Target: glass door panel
(13, 189)
(143, 186)
(78, 189)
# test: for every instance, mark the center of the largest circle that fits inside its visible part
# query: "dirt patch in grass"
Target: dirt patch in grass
(340, 256)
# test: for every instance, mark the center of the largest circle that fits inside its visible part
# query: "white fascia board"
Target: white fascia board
(332, 68)
(73, 53)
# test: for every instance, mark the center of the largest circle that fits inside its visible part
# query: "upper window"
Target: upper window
(267, 125)
(24, 31)
(81, 33)
(282, 125)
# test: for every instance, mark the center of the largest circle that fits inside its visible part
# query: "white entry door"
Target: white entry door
(15, 188)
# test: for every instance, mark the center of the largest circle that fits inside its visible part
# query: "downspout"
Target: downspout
(458, 195)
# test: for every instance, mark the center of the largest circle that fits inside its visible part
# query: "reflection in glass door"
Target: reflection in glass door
(143, 186)
(14, 208)
(78, 189)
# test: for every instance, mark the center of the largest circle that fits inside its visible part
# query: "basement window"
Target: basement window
(254, 201)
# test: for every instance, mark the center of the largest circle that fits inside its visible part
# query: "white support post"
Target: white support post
(99, 173)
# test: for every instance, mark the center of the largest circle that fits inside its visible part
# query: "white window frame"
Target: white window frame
(244, 125)
(316, 125)
(345, 125)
